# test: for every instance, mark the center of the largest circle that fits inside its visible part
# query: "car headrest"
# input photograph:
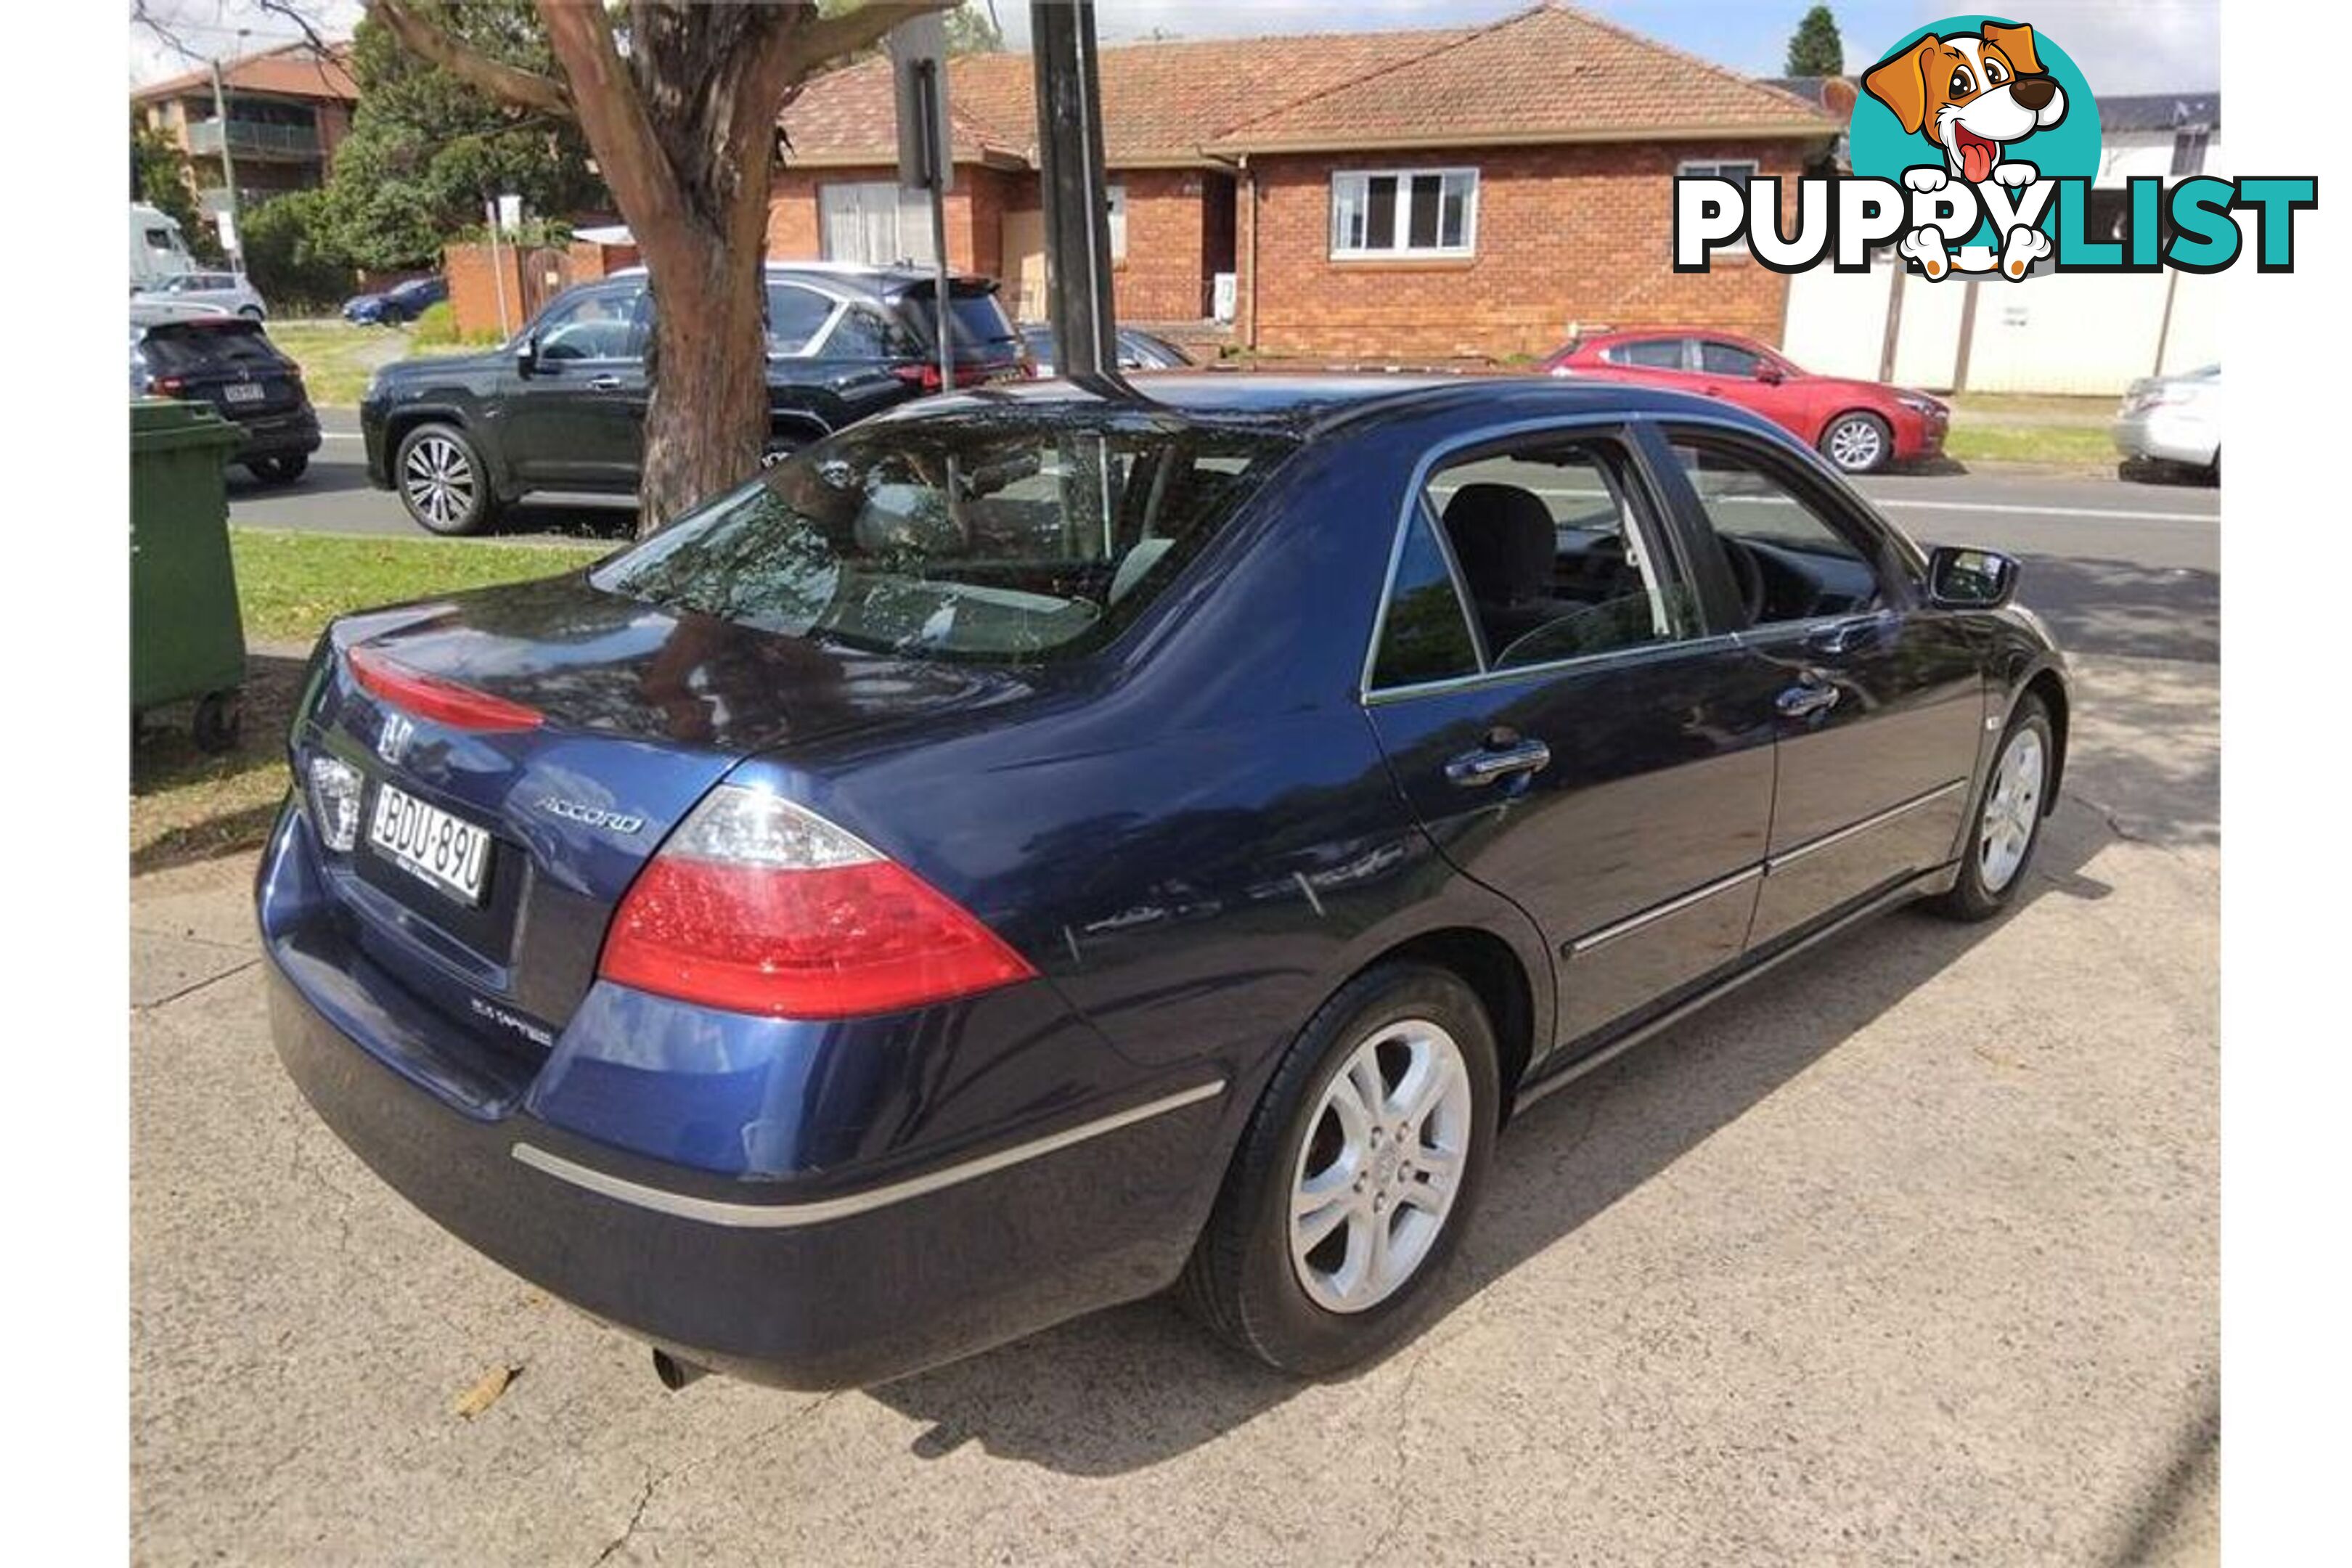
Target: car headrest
(899, 517)
(1503, 536)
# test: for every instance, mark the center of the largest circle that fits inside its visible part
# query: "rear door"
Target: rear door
(1586, 744)
(577, 420)
(829, 359)
(1879, 702)
(1661, 361)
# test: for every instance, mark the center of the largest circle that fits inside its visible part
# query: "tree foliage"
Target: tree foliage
(426, 148)
(289, 254)
(156, 178)
(1816, 49)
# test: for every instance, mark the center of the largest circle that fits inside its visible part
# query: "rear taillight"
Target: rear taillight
(758, 905)
(169, 385)
(335, 787)
(921, 377)
(443, 701)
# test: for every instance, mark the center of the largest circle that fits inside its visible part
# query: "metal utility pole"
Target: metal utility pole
(228, 168)
(918, 49)
(1076, 195)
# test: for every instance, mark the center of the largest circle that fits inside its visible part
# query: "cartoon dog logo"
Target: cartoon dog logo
(1974, 95)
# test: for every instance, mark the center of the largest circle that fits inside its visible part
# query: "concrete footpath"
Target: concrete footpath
(1907, 1254)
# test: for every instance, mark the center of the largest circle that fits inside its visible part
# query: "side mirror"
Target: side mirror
(527, 356)
(1963, 579)
(1768, 373)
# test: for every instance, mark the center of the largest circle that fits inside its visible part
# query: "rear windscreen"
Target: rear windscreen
(980, 321)
(182, 349)
(990, 536)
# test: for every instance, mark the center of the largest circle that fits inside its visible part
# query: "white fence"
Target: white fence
(2090, 334)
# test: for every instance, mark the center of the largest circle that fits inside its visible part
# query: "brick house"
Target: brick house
(1461, 193)
(288, 109)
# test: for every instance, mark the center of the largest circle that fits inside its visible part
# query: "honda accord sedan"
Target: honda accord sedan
(1045, 846)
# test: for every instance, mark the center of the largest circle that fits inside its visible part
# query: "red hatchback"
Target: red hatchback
(1859, 425)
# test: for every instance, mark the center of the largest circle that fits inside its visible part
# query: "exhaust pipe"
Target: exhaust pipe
(675, 1373)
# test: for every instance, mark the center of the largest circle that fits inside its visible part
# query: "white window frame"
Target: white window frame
(1398, 249)
(913, 245)
(1115, 205)
(1706, 168)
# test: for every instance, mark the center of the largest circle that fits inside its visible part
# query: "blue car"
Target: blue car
(1046, 845)
(401, 302)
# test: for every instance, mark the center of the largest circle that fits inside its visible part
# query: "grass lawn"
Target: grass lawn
(1995, 428)
(186, 805)
(337, 358)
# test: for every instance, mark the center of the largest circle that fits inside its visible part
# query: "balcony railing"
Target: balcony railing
(253, 138)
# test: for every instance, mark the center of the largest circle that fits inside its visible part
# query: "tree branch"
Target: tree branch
(511, 84)
(824, 39)
(611, 113)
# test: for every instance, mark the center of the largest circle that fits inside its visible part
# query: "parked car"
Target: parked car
(2174, 420)
(229, 290)
(401, 302)
(1860, 426)
(228, 363)
(1137, 350)
(562, 405)
(1333, 765)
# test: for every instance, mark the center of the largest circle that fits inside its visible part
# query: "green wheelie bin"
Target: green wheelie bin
(186, 640)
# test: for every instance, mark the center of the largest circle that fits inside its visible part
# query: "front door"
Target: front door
(1879, 705)
(577, 419)
(1566, 725)
(1738, 373)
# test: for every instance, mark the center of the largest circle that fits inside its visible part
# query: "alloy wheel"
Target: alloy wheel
(1855, 445)
(437, 477)
(2006, 829)
(1382, 1161)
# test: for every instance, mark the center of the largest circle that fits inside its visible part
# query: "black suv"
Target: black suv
(227, 362)
(561, 407)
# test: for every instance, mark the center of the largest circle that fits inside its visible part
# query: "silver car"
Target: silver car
(2174, 419)
(229, 290)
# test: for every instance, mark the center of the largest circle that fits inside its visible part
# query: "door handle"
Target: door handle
(1805, 701)
(1475, 770)
(604, 384)
(1845, 637)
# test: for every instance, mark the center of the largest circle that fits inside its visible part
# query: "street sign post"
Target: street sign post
(918, 49)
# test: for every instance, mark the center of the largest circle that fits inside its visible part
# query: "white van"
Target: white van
(158, 250)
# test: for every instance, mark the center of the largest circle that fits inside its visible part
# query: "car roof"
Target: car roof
(879, 276)
(1317, 402)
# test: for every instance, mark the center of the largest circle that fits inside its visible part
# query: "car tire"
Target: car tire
(2007, 827)
(1858, 443)
(218, 722)
(251, 312)
(282, 470)
(1310, 1305)
(441, 481)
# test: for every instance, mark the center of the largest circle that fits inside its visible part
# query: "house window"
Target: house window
(1117, 200)
(2188, 151)
(874, 221)
(1404, 212)
(1739, 173)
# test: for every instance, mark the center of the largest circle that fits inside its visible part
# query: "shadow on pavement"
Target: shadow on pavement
(2118, 608)
(1130, 1387)
(320, 478)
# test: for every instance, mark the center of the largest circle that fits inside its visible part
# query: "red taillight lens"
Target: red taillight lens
(758, 905)
(443, 701)
(922, 377)
(169, 385)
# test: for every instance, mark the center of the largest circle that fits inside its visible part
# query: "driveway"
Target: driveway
(1905, 1253)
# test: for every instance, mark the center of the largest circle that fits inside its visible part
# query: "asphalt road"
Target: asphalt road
(2115, 567)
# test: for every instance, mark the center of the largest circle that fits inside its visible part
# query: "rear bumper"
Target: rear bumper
(2166, 435)
(293, 434)
(839, 1278)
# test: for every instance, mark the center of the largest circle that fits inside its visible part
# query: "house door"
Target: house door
(1024, 263)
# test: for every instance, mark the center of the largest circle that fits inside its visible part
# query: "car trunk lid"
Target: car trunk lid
(572, 729)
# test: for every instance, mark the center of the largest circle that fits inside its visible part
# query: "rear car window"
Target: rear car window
(965, 537)
(979, 320)
(179, 348)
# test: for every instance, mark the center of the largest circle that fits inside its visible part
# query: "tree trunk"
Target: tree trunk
(707, 423)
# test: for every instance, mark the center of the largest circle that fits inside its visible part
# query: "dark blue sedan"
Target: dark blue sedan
(401, 302)
(1040, 847)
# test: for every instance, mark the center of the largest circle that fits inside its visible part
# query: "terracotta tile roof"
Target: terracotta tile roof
(1541, 74)
(1160, 101)
(290, 70)
(1545, 73)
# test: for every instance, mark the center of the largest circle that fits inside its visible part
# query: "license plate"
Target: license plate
(245, 391)
(429, 844)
